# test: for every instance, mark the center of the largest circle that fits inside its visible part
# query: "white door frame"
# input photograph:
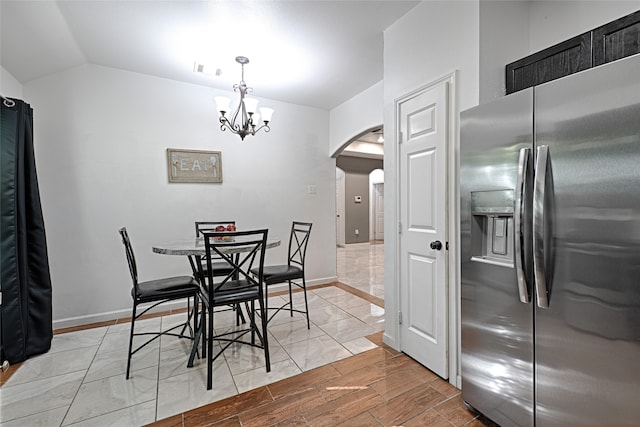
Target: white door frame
(376, 177)
(392, 335)
(340, 207)
(375, 212)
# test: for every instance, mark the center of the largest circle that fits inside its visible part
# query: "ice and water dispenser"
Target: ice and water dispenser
(492, 226)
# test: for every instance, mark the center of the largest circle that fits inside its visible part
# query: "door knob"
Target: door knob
(437, 245)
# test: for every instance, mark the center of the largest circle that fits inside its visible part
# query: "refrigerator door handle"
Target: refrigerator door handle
(523, 166)
(538, 226)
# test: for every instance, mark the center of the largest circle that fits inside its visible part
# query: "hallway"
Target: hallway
(361, 266)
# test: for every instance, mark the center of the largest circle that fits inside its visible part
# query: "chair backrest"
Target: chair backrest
(131, 258)
(243, 250)
(298, 240)
(210, 226)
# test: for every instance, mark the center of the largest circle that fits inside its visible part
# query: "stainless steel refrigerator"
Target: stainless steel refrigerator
(550, 252)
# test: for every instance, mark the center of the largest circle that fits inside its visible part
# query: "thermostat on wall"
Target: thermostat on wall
(358, 199)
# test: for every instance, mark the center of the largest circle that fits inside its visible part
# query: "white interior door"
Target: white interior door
(423, 124)
(378, 214)
(340, 208)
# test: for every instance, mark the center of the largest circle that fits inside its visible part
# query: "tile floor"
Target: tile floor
(361, 266)
(80, 381)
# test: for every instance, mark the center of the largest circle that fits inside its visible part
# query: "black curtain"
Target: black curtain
(26, 319)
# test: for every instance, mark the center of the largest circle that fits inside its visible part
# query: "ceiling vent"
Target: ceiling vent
(208, 70)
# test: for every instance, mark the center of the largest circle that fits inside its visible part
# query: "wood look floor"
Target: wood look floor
(380, 387)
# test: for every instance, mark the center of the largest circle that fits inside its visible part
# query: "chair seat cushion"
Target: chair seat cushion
(234, 291)
(170, 287)
(280, 273)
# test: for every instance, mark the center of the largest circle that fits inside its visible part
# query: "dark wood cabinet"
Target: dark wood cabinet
(610, 42)
(565, 58)
(616, 39)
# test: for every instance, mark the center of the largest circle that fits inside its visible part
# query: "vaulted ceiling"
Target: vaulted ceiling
(314, 53)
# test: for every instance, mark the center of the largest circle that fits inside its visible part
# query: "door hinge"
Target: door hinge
(400, 137)
(399, 228)
(399, 318)
(446, 245)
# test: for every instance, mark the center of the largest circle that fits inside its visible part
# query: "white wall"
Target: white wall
(353, 117)
(432, 40)
(100, 139)
(554, 21)
(510, 30)
(504, 38)
(9, 86)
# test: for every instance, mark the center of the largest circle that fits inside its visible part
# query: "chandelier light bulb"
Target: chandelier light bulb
(250, 104)
(266, 114)
(222, 104)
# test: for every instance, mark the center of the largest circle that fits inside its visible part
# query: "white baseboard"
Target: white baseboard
(113, 315)
(388, 340)
(322, 281)
(174, 305)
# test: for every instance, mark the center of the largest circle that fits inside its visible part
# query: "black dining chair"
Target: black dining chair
(292, 272)
(156, 292)
(222, 268)
(244, 251)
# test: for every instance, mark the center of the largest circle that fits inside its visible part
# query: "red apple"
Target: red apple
(231, 227)
(220, 228)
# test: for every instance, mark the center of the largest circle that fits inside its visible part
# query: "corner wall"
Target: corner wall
(504, 38)
(351, 118)
(434, 39)
(9, 86)
(101, 137)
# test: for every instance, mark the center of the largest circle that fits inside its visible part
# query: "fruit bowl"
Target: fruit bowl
(228, 228)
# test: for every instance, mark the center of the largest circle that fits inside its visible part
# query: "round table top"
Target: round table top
(195, 246)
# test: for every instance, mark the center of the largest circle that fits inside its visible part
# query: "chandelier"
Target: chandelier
(244, 121)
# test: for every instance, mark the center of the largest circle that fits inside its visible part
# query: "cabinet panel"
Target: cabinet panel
(617, 39)
(565, 58)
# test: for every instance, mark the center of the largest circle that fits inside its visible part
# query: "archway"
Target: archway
(360, 168)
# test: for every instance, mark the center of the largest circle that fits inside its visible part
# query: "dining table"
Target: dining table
(194, 248)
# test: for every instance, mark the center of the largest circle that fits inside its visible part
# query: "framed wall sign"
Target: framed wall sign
(194, 165)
